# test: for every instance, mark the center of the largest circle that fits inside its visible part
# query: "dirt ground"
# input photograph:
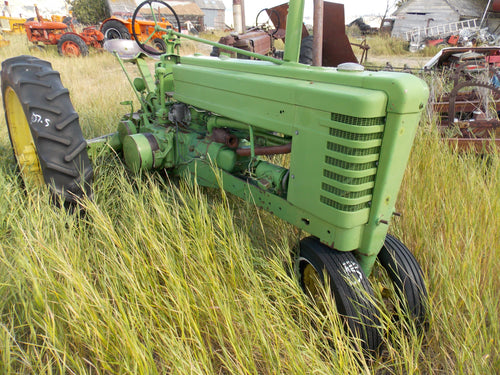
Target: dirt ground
(399, 61)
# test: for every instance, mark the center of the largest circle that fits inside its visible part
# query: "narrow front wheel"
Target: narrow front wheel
(407, 277)
(319, 264)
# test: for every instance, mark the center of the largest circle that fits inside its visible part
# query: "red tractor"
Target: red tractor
(68, 41)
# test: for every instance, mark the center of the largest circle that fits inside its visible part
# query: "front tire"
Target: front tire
(407, 276)
(160, 44)
(44, 128)
(349, 287)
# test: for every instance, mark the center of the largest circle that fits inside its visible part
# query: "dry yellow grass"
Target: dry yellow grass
(163, 277)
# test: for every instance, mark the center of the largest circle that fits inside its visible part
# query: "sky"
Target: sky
(352, 8)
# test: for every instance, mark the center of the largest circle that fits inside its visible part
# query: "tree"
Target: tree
(389, 4)
(89, 12)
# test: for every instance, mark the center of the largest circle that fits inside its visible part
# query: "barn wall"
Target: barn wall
(215, 18)
(423, 13)
(197, 21)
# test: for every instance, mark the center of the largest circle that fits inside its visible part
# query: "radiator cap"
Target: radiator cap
(350, 67)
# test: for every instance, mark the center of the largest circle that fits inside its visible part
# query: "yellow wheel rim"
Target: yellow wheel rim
(22, 140)
(312, 284)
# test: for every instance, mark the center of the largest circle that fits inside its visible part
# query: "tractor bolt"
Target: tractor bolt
(296, 132)
(383, 222)
(398, 214)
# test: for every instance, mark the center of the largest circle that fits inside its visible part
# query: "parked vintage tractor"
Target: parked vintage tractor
(12, 24)
(69, 42)
(120, 27)
(271, 24)
(217, 121)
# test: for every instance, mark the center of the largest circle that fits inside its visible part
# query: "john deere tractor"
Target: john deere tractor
(348, 133)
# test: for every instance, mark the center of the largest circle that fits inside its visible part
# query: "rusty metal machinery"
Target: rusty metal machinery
(467, 114)
(69, 42)
(336, 48)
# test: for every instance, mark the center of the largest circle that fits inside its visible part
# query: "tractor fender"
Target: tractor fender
(72, 33)
(125, 22)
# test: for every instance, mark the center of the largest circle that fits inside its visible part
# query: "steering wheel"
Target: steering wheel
(136, 25)
(273, 11)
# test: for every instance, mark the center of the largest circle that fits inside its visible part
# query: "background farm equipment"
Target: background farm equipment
(336, 48)
(3, 42)
(12, 24)
(121, 28)
(468, 111)
(69, 42)
(220, 122)
(119, 25)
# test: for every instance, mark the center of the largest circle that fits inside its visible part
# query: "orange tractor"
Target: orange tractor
(119, 26)
(68, 41)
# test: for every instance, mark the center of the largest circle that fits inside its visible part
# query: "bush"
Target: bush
(89, 12)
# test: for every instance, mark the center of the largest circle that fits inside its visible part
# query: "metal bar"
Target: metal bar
(294, 31)
(269, 150)
(484, 14)
(224, 47)
(237, 16)
(137, 94)
(252, 142)
(318, 33)
(243, 20)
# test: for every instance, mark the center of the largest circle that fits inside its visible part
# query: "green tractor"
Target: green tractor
(218, 121)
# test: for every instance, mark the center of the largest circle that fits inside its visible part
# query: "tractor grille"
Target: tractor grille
(351, 159)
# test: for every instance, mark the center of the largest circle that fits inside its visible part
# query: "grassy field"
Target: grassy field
(160, 276)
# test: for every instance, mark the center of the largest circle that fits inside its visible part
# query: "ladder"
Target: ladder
(420, 33)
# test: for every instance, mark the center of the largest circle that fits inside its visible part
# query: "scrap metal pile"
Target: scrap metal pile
(468, 106)
(465, 95)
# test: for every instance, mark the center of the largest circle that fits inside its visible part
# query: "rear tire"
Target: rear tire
(114, 29)
(349, 286)
(306, 50)
(72, 45)
(44, 128)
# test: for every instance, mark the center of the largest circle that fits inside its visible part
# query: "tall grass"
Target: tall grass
(160, 276)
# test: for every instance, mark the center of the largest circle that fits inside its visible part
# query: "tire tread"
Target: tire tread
(59, 143)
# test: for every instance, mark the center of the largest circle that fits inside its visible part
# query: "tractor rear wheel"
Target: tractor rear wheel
(44, 129)
(306, 50)
(319, 264)
(114, 29)
(72, 45)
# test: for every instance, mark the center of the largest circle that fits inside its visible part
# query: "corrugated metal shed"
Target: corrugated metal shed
(214, 10)
(210, 4)
(425, 13)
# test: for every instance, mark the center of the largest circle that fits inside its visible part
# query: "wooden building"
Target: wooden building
(215, 13)
(428, 13)
(188, 12)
